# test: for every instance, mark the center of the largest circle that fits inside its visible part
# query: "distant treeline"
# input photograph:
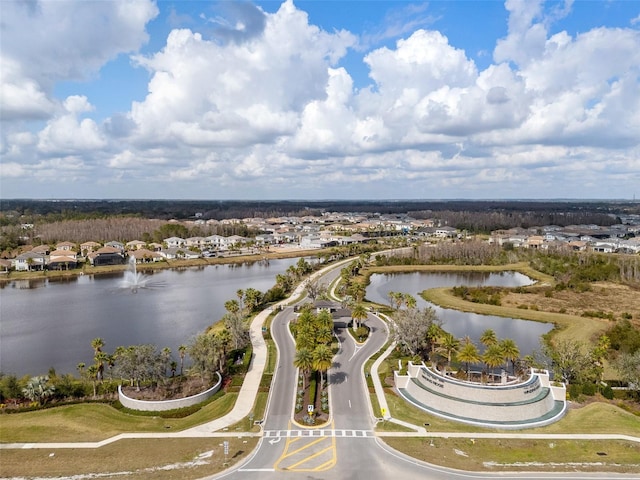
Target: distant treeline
(506, 211)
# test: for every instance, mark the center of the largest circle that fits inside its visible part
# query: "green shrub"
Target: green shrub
(589, 389)
(575, 391)
(607, 392)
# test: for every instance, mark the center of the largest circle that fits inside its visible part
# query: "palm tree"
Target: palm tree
(182, 351)
(92, 373)
(434, 333)
(304, 361)
(101, 358)
(322, 359)
(97, 344)
(448, 346)
(469, 354)
(510, 352)
(357, 314)
(324, 334)
(488, 338)
(493, 356)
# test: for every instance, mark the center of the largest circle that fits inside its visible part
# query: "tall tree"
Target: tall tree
(469, 354)
(203, 352)
(493, 356)
(488, 338)
(510, 352)
(182, 352)
(358, 314)
(411, 327)
(448, 347)
(304, 361)
(322, 359)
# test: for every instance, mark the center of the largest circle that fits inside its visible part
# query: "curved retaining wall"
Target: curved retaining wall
(162, 405)
(530, 401)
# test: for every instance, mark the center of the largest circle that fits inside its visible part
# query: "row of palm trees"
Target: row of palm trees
(497, 352)
(313, 333)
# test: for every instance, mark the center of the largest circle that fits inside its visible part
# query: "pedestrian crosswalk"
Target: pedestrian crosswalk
(337, 433)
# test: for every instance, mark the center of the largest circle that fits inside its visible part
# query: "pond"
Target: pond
(525, 333)
(50, 323)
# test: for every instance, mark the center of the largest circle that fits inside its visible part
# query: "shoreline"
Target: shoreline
(160, 265)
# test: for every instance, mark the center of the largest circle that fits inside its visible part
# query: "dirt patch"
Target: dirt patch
(174, 389)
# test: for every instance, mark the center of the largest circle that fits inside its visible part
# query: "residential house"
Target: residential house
(144, 255)
(175, 242)
(197, 242)
(28, 261)
(136, 245)
(115, 244)
(106, 255)
(62, 260)
(87, 247)
(5, 265)
(65, 246)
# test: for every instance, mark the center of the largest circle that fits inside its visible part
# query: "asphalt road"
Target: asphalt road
(346, 448)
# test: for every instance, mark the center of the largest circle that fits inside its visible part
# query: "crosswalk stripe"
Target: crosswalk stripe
(318, 433)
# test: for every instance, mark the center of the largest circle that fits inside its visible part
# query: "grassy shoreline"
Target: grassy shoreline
(566, 327)
(161, 265)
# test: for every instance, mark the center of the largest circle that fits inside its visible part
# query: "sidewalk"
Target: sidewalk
(241, 409)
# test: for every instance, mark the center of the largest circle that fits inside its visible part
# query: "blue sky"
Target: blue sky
(320, 99)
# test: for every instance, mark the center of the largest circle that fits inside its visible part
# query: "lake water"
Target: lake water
(50, 323)
(525, 333)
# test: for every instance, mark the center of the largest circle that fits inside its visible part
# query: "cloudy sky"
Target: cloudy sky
(322, 99)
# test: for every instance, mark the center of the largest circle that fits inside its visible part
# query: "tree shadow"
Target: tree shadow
(337, 378)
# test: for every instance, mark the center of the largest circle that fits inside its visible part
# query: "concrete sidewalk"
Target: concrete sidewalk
(241, 409)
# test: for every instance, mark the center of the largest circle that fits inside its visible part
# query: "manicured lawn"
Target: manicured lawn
(94, 422)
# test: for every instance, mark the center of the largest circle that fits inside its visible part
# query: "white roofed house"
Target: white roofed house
(215, 241)
(198, 242)
(175, 242)
(115, 244)
(445, 232)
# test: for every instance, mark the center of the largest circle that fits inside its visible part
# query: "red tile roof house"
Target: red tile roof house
(62, 260)
(5, 265)
(145, 256)
(65, 246)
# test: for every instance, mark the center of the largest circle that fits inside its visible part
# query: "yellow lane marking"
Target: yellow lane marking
(285, 455)
(326, 466)
(311, 457)
(323, 466)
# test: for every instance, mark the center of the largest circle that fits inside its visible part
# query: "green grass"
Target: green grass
(94, 422)
(597, 418)
(497, 455)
